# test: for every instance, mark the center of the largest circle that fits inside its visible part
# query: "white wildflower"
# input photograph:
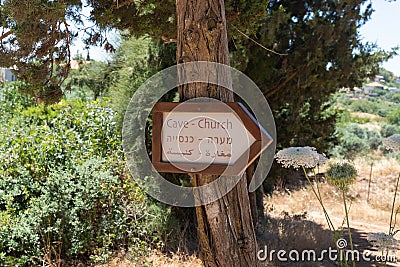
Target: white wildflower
(322, 159)
(392, 142)
(383, 241)
(298, 157)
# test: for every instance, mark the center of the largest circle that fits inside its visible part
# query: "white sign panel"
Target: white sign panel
(206, 138)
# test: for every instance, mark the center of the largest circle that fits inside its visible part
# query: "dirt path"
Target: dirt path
(360, 231)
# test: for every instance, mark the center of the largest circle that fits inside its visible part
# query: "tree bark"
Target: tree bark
(225, 227)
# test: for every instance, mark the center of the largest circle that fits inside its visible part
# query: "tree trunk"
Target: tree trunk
(225, 227)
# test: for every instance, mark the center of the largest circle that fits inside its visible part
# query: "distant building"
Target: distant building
(394, 89)
(379, 78)
(7, 75)
(75, 64)
(369, 88)
(357, 90)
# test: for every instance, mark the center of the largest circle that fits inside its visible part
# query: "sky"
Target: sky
(381, 29)
(96, 53)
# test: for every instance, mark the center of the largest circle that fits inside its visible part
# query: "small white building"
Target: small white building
(7, 75)
(369, 88)
(379, 78)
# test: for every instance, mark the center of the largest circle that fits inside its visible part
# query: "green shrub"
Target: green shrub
(41, 138)
(395, 97)
(12, 101)
(363, 106)
(62, 213)
(353, 140)
(394, 116)
(374, 139)
(369, 106)
(389, 129)
(64, 190)
(76, 213)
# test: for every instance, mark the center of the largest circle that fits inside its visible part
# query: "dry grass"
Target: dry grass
(157, 259)
(365, 216)
(176, 260)
(376, 211)
(295, 219)
(384, 175)
(365, 115)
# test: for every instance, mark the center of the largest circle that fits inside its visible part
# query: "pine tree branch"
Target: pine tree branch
(124, 3)
(257, 43)
(5, 35)
(281, 85)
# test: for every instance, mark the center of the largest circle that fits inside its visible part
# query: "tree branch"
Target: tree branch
(257, 43)
(167, 40)
(281, 85)
(124, 3)
(5, 35)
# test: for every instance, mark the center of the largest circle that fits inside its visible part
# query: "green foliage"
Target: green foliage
(371, 107)
(44, 137)
(389, 129)
(133, 63)
(75, 213)
(354, 140)
(64, 190)
(295, 130)
(130, 70)
(320, 51)
(92, 77)
(395, 98)
(37, 38)
(394, 116)
(12, 101)
(359, 120)
(62, 210)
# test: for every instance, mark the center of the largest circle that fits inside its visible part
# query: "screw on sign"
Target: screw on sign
(207, 137)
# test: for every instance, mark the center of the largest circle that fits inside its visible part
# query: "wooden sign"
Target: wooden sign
(205, 137)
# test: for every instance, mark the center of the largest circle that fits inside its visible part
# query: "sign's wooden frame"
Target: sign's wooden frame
(237, 168)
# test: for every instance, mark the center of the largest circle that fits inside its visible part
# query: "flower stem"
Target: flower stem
(369, 182)
(391, 227)
(330, 224)
(316, 183)
(348, 223)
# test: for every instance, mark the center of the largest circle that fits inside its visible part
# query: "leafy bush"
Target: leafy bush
(75, 213)
(64, 134)
(61, 212)
(12, 101)
(395, 97)
(389, 129)
(394, 116)
(352, 140)
(64, 190)
(370, 106)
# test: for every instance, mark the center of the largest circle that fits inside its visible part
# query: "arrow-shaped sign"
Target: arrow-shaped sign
(205, 137)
